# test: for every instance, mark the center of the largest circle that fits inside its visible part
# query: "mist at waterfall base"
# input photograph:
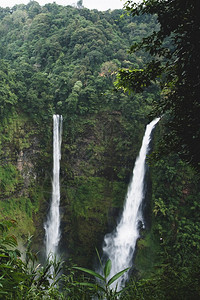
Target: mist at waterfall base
(52, 225)
(119, 245)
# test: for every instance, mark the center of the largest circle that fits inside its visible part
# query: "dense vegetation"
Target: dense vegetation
(175, 65)
(56, 59)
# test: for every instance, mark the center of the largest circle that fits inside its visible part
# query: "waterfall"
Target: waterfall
(119, 246)
(52, 226)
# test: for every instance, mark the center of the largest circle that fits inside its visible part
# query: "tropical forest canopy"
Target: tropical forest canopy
(65, 60)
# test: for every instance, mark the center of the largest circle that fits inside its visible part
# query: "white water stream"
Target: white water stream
(119, 246)
(52, 226)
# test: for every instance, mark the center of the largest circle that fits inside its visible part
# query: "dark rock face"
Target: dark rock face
(92, 188)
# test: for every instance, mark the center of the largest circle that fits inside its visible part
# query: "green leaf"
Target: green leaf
(90, 272)
(92, 285)
(116, 276)
(107, 268)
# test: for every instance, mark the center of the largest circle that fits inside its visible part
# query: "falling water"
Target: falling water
(52, 226)
(119, 246)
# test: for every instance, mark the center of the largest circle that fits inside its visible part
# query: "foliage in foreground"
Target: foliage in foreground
(103, 288)
(27, 279)
(24, 278)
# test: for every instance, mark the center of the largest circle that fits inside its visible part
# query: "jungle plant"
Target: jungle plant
(25, 278)
(103, 287)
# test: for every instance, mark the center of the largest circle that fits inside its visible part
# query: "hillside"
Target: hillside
(63, 60)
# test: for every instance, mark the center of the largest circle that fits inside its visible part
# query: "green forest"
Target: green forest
(108, 74)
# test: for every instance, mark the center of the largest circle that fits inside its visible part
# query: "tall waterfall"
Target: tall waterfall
(119, 246)
(52, 226)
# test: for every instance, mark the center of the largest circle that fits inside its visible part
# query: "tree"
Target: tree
(175, 65)
(80, 4)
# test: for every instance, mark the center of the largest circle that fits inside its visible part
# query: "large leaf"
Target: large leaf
(92, 285)
(116, 276)
(107, 268)
(90, 272)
